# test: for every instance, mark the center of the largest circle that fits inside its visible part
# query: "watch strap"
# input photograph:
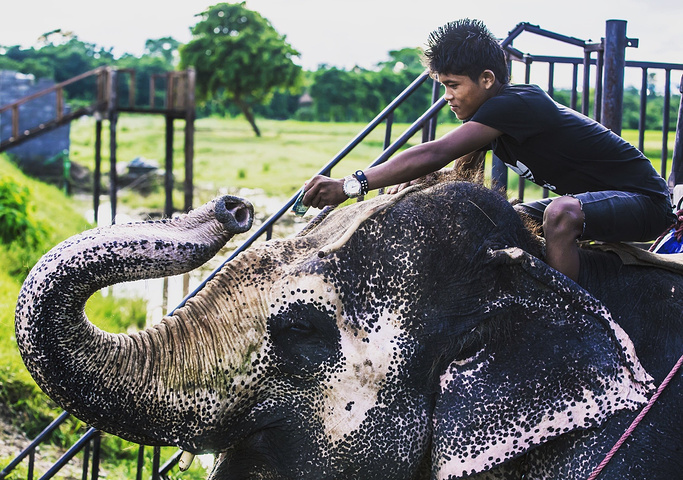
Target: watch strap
(364, 186)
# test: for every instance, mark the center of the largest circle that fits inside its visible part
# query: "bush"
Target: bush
(17, 215)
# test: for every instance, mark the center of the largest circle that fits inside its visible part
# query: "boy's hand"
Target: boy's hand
(397, 188)
(322, 191)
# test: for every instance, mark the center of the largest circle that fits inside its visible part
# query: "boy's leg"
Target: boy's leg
(609, 216)
(563, 222)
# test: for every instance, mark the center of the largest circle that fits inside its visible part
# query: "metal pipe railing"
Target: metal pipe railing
(384, 114)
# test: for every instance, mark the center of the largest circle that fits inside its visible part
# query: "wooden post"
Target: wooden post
(98, 165)
(113, 119)
(189, 138)
(168, 209)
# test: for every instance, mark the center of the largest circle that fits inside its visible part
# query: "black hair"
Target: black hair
(465, 47)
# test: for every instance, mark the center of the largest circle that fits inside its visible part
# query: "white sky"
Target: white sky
(345, 33)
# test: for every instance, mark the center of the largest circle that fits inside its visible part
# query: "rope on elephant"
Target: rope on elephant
(636, 421)
(333, 247)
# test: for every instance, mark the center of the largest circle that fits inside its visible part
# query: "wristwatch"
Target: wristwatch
(352, 187)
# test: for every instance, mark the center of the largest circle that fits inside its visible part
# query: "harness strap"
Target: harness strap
(636, 421)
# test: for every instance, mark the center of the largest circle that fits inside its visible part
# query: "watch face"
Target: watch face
(351, 186)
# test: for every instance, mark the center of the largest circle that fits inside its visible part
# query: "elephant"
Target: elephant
(418, 335)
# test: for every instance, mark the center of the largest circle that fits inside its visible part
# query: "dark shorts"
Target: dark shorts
(613, 216)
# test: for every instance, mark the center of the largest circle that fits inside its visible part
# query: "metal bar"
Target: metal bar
(141, 462)
(666, 116)
(643, 111)
(551, 79)
(387, 130)
(155, 463)
(36, 441)
(615, 61)
(436, 88)
(96, 441)
(64, 459)
(86, 461)
(599, 89)
(585, 99)
(554, 36)
(499, 174)
(170, 463)
(575, 86)
(31, 465)
(514, 33)
(676, 177)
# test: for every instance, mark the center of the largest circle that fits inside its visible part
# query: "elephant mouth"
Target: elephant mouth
(259, 454)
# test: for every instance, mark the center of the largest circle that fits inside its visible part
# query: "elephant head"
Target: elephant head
(408, 336)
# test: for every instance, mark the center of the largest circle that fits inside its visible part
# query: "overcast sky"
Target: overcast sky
(345, 33)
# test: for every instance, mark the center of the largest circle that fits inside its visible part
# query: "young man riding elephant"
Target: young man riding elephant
(608, 189)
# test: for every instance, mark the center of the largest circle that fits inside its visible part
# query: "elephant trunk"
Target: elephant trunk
(117, 382)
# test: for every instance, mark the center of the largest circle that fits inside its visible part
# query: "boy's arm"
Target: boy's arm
(408, 165)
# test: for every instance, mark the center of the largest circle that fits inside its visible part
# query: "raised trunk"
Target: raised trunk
(147, 387)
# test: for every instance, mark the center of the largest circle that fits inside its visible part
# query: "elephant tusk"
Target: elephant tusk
(185, 460)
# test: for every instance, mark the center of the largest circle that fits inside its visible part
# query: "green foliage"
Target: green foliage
(239, 57)
(20, 231)
(61, 57)
(358, 95)
(17, 217)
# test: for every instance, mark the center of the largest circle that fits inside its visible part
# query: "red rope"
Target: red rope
(636, 421)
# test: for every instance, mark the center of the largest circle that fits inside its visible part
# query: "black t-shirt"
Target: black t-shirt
(561, 149)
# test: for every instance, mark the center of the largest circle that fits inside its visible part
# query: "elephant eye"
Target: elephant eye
(304, 336)
(300, 325)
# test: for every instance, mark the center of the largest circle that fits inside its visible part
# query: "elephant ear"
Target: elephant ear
(555, 362)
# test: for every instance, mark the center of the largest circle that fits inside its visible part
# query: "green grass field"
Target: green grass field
(228, 156)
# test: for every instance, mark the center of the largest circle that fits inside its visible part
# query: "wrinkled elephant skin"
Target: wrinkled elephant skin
(410, 336)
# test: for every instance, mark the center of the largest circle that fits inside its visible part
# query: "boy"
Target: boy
(609, 189)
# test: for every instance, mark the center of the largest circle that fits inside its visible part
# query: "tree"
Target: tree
(239, 57)
(165, 47)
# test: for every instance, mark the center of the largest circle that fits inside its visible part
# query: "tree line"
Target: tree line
(244, 66)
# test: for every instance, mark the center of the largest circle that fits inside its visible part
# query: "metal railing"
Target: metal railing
(598, 74)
